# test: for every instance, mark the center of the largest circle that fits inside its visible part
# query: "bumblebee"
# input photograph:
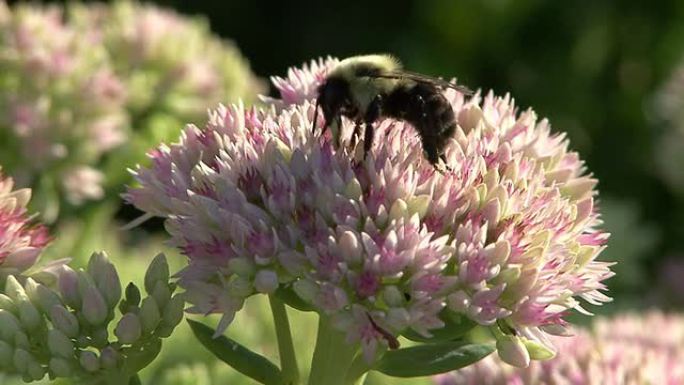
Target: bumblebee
(367, 88)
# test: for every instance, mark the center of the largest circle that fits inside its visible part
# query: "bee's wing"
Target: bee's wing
(420, 78)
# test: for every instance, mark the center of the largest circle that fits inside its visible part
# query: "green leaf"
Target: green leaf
(237, 356)
(454, 327)
(138, 357)
(427, 360)
(287, 295)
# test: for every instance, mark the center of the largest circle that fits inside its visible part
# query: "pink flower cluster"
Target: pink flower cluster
(20, 241)
(626, 350)
(61, 103)
(79, 81)
(257, 201)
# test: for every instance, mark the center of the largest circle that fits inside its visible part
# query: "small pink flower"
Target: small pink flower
(21, 241)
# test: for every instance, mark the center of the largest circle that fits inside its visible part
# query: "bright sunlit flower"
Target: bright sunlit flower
(21, 241)
(388, 245)
(626, 350)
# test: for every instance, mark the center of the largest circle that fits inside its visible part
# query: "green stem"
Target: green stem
(135, 380)
(356, 374)
(332, 356)
(288, 358)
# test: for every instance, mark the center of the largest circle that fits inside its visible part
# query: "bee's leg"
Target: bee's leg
(337, 131)
(355, 134)
(368, 139)
(433, 156)
(444, 162)
(373, 113)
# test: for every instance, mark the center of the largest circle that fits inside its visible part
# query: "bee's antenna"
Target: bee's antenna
(315, 117)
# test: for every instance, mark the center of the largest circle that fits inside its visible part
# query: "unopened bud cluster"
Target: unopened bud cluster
(64, 332)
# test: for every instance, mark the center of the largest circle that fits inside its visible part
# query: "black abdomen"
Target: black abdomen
(426, 108)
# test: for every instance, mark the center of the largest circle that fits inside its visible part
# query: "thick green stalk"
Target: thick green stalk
(332, 356)
(135, 380)
(288, 358)
(356, 375)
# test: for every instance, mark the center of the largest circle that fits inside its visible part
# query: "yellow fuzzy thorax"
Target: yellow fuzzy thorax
(364, 89)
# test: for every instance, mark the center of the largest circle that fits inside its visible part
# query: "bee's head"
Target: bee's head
(334, 98)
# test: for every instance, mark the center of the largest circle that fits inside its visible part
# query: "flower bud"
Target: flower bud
(89, 361)
(94, 309)
(173, 313)
(353, 189)
(393, 296)
(161, 294)
(59, 344)
(9, 326)
(306, 290)
(128, 330)
(106, 278)
(68, 286)
(14, 290)
(398, 210)
(158, 271)
(419, 205)
(47, 298)
(64, 321)
(35, 371)
(6, 303)
(100, 337)
(538, 351)
(21, 341)
(29, 316)
(132, 294)
(241, 266)
(60, 367)
(266, 281)
(21, 259)
(350, 247)
(398, 318)
(21, 360)
(240, 287)
(6, 354)
(149, 315)
(512, 351)
(30, 287)
(458, 301)
(109, 358)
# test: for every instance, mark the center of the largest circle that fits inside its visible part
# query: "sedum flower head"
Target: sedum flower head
(62, 104)
(623, 350)
(21, 241)
(77, 83)
(385, 246)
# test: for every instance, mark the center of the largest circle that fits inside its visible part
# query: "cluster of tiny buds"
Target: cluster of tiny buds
(63, 332)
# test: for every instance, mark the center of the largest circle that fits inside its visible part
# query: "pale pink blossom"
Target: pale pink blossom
(82, 184)
(21, 241)
(626, 350)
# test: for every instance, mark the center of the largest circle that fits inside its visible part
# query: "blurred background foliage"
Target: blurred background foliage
(594, 68)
